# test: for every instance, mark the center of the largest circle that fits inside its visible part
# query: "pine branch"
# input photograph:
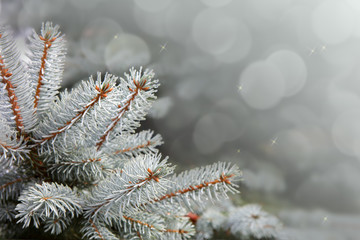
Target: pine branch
(47, 65)
(68, 112)
(251, 221)
(80, 168)
(94, 229)
(56, 225)
(176, 223)
(216, 180)
(47, 45)
(135, 106)
(140, 180)
(7, 212)
(133, 145)
(11, 184)
(147, 225)
(86, 138)
(5, 78)
(12, 150)
(15, 83)
(48, 200)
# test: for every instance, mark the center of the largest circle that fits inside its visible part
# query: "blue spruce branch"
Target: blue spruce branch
(75, 157)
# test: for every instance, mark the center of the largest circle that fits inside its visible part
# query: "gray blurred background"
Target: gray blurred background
(271, 85)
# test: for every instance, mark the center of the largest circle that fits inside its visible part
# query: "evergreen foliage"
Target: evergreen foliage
(73, 160)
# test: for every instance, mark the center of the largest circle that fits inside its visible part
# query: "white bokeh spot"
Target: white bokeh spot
(293, 69)
(124, 51)
(263, 85)
(333, 21)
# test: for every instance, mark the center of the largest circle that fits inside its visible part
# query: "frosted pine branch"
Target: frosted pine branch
(207, 182)
(47, 201)
(56, 225)
(140, 180)
(77, 157)
(96, 230)
(47, 65)
(251, 220)
(141, 87)
(11, 185)
(135, 144)
(14, 84)
(67, 112)
(13, 149)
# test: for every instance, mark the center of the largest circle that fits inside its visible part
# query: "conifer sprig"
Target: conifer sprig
(47, 65)
(77, 154)
(15, 87)
(47, 201)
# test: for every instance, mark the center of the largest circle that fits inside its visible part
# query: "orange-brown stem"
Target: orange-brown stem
(38, 164)
(124, 108)
(181, 231)
(138, 234)
(151, 175)
(148, 143)
(90, 160)
(96, 229)
(5, 78)
(12, 182)
(223, 178)
(4, 145)
(152, 226)
(102, 94)
(138, 221)
(83, 161)
(192, 217)
(47, 45)
(45, 198)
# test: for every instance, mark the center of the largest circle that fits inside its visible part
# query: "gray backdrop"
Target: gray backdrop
(272, 85)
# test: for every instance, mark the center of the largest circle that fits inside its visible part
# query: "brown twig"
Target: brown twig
(6, 75)
(115, 120)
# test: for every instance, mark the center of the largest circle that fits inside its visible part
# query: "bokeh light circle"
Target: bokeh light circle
(212, 131)
(292, 141)
(95, 36)
(216, 3)
(340, 99)
(124, 51)
(293, 69)
(346, 132)
(152, 6)
(214, 32)
(333, 21)
(161, 107)
(85, 4)
(262, 85)
(241, 47)
(178, 27)
(150, 23)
